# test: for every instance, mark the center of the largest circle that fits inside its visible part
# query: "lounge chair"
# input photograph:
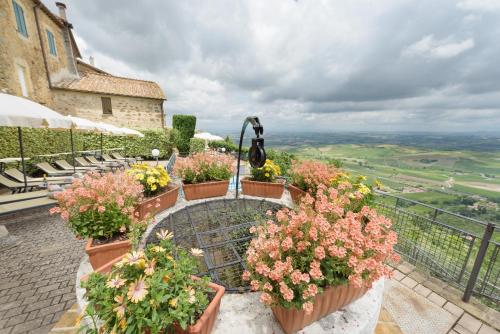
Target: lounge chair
(84, 163)
(94, 161)
(107, 158)
(5, 199)
(15, 186)
(66, 166)
(19, 176)
(111, 164)
(118, 156)
(26, 205)
(51, 171)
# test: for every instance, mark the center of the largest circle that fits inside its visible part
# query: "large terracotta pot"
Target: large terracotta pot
(205, 189)
(332, 299)
(205, 323)
(296, 193)
(102, 254)
(153, 205)
(262, 189)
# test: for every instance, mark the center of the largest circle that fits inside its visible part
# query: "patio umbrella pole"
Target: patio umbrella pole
(72, 149)
(21, 149)
(101, 148)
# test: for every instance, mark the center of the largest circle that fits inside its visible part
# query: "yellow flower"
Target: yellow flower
(267, 174)
(158, 249)
(173, 302)
(123, 323)
(165, 278)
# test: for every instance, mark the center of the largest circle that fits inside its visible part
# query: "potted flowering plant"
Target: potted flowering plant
(311, 261)
(101, 209)
(307, 175)
(148, 291)
(264, 182)
(204, 174)
(159, 194)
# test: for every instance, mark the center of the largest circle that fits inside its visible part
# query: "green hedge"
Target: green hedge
(45, 141)
(196, 145)
(185, 124)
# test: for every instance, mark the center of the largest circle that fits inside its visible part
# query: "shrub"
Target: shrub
(266, 173)
(323, 243)
(46, 141)
(153, 178)
(148, 291)
(196, 145)
(282, 159)
(204, 167)
(99, 207)
(185, 124)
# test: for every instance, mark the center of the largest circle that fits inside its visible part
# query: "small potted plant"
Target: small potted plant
(264, 182)
(307, 175)
(159, 193)
(204, 174)
(150, 291)
(101, 209)
(315, 259)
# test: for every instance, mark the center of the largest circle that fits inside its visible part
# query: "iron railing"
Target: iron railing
(457, 249)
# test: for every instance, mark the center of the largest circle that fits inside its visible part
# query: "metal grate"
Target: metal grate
(220, 228)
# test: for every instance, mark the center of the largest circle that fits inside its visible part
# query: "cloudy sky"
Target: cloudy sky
(400, 65)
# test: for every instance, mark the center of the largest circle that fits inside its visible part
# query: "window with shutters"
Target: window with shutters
(21, 23)
(52, 43)
(106, 106)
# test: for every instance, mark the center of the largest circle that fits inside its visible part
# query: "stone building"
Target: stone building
(40, 60)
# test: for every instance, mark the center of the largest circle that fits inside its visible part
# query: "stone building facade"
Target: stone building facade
(40, 60)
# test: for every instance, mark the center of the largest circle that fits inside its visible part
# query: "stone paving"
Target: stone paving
(417, 301)
(37, 272)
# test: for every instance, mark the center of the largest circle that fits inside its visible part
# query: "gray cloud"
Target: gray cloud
(398, 65)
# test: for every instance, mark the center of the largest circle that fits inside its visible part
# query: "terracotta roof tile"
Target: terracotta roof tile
(108, 84)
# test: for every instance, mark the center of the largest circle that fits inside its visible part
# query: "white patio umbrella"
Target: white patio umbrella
(207, 136)
(20, 112)
(117, 131)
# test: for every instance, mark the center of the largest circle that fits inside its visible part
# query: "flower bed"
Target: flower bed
(205, 174)
(330, 241)
(151, 292)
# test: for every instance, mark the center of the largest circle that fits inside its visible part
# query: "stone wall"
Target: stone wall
(131, 112)
(16, 49)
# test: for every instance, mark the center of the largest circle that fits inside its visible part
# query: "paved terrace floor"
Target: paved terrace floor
(38, 265)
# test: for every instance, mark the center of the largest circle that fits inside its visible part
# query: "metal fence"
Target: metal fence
(459, 250)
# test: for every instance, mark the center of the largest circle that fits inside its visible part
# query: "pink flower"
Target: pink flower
(319, 253)
(246, 275)
(287, 244)
(286, 292)
(308, 307)
(266, 298)
(254, 285)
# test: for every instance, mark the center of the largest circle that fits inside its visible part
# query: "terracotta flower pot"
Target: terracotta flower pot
(205, 189)
(262, 189)
(205, 323)
(296, 193)
(153, 205)
(101, 254)
(332, 299)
